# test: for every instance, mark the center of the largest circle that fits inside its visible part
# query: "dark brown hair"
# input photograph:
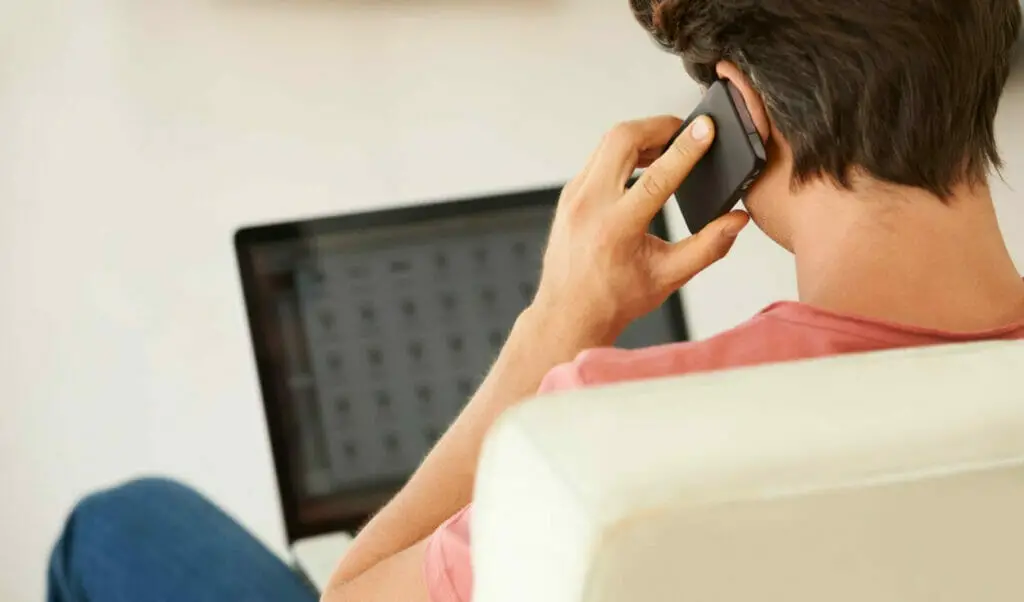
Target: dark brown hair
(904, 90)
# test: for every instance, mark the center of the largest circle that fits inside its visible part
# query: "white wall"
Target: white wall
(136, 136)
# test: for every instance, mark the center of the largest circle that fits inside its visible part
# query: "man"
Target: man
(879, 129)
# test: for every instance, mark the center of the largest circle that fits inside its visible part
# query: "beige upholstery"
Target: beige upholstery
(884, 477)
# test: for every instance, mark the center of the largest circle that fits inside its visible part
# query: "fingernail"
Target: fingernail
(701, 128)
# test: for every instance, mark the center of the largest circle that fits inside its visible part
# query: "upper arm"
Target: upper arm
(398, 578)
(561, 378)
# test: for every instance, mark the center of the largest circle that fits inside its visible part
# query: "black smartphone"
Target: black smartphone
(734, 161)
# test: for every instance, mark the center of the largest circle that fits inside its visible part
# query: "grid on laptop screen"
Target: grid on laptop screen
(374, 338)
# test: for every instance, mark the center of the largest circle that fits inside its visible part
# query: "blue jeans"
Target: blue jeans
(154, 540)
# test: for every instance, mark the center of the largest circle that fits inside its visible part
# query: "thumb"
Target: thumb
(688, 257)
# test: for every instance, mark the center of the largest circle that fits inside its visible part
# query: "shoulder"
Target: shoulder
(754, 341)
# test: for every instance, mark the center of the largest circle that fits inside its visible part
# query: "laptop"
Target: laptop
(371, 331)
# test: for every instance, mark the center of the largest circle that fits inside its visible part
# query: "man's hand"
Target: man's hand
(602, 269)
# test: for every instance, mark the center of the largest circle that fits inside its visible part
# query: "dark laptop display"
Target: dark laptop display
(372, 330)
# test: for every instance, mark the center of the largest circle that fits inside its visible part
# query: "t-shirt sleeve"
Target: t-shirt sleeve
(603, 365)
(564, 377)
(446, 563)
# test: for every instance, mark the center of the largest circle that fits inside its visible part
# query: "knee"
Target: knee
(135, 490)
(138, 496)
(119, 521)
(124, 512)
(144, 490)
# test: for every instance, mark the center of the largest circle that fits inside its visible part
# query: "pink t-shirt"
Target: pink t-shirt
(781, 332)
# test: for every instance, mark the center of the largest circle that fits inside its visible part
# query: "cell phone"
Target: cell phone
(735, 160)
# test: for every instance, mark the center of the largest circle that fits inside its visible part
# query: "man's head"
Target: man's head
(900, 92)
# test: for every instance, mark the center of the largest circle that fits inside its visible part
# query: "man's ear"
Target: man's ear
(752, 98)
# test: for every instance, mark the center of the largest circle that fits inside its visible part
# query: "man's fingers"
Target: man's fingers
(646, 198)
(687, 258)
(573, 185)
(649, 156)
(623, 146)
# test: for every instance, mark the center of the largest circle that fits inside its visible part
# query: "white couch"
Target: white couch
(883, 477)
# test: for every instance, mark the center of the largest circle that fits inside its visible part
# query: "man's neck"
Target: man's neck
(901, 255)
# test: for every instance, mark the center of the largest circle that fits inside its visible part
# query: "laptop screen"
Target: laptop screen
(371, 331)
